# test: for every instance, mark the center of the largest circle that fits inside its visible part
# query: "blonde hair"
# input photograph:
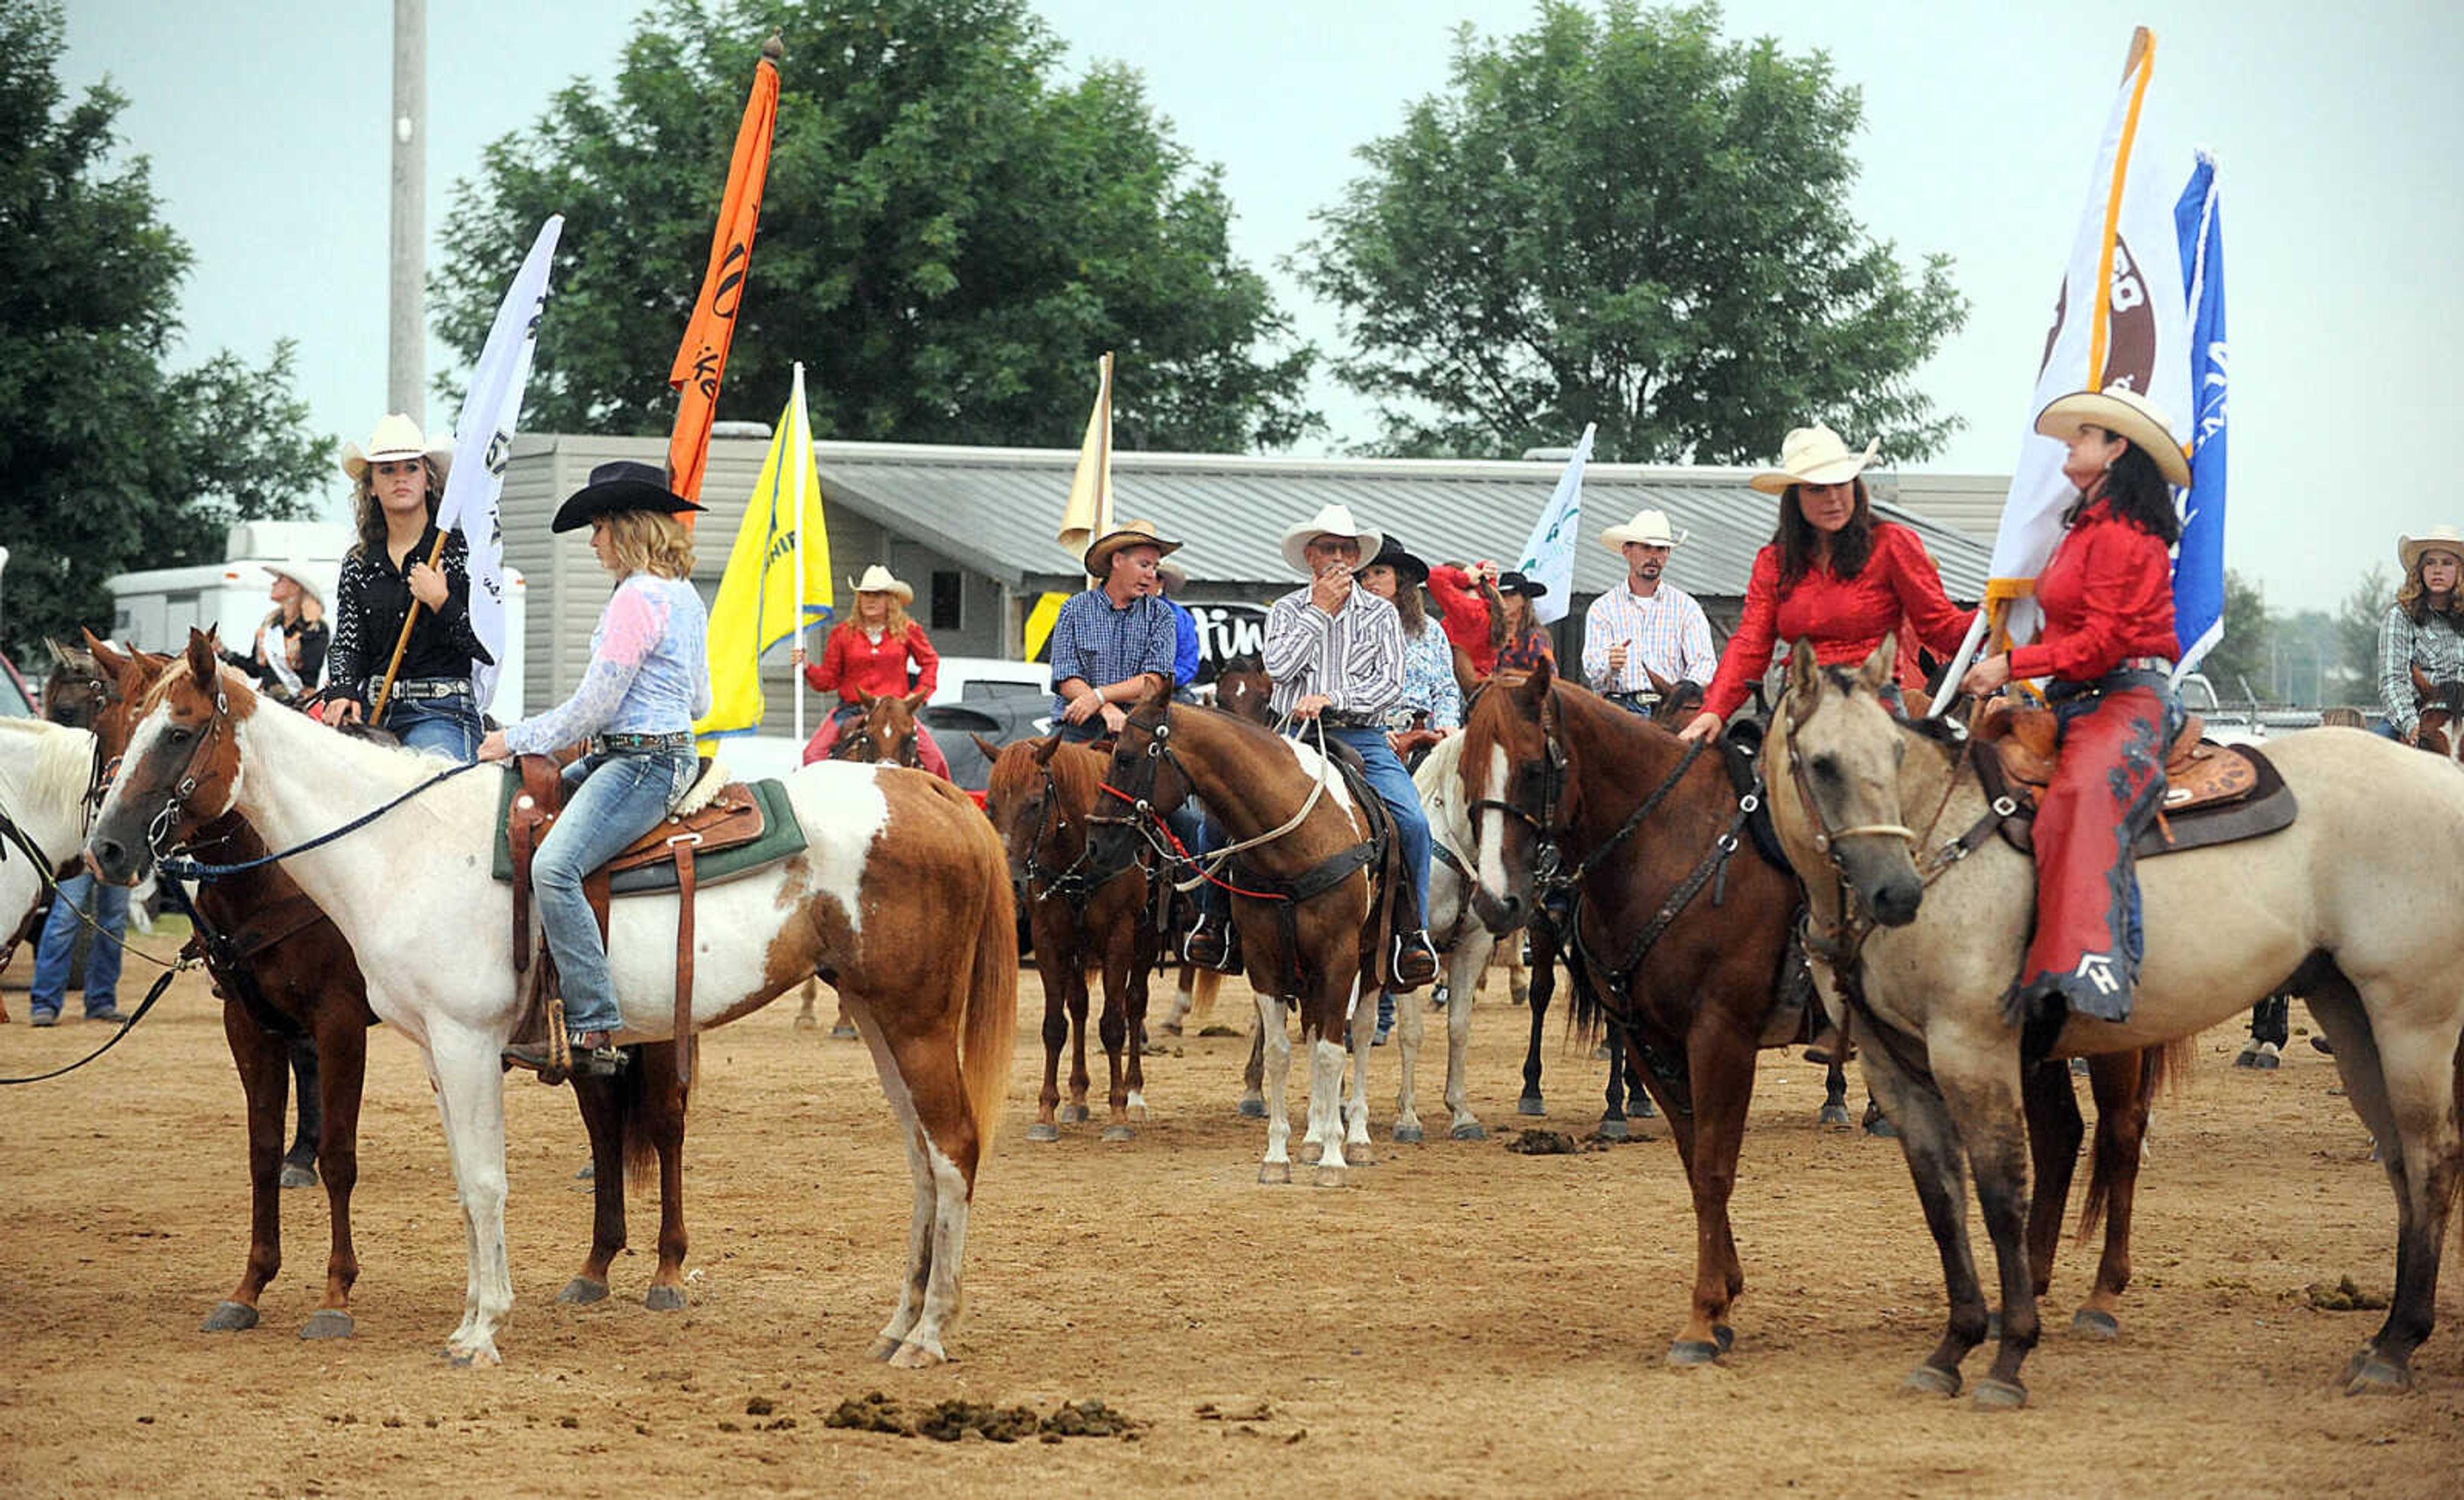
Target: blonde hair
(648, 542)
(2413, 598)
(893, 622)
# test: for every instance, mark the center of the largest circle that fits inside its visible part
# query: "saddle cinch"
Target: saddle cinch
(720, 829)
(2214, 793)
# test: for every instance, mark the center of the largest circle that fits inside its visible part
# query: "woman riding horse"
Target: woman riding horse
(2422, 638)
(882, 653)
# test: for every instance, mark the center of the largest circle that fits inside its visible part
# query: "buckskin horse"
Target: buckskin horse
(1043, 798)
(899, 897)
(2359, 903)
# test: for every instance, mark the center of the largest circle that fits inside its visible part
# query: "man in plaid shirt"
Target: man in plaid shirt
(1117, 642)
(1645, 626)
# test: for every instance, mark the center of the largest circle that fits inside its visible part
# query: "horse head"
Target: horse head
(1834, 782)
(1143, 780)
(1021, 798)
(1516, 789)
(76, 689)
(128, 676)
(886, 735)
(182, 766)
(1244, 689)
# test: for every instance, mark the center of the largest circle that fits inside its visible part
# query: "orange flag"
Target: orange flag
(702, 358)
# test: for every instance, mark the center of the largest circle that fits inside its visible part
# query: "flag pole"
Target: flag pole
(803, 470)
(402, 643)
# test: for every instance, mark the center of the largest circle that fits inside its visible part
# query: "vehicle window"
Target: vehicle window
(991, 687)
(12, 703)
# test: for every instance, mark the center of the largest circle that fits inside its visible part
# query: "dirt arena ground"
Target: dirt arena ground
(1460, 1321)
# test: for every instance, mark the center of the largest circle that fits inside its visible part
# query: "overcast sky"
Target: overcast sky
(2338, 130)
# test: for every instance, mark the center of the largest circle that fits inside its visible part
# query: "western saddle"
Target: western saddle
(2203, 782)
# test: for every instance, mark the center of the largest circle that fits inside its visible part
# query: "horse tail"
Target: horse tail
(631, 1098)
(991, 1001)
(2163, 1066)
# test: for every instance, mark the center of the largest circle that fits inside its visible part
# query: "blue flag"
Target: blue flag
(2199, 564)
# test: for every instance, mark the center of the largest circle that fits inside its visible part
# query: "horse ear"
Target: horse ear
(201, 658)
(60, 654)
(1880, 666)
(863, 701)
(104, 656)
(1046, 747)
(1804, 680)
(992, 751)
(918, 699)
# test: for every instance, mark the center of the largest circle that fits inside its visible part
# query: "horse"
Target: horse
(1043, 796)
(1311, 945)
(885, 735)
(47, 772)
(2360, 903)
(2441, 707)
(899, 897)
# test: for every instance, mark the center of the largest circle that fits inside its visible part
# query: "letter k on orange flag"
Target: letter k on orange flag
(702, 358)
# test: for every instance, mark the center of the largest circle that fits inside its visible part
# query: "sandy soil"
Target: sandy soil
(1460, 1321)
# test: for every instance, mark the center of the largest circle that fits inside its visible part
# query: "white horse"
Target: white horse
(2360, 904)
(1463, 937)
(44, 771)
(900, 897)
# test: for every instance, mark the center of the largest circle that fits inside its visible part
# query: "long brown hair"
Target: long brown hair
(2414, 600)
(1851, 545)
(369, 516)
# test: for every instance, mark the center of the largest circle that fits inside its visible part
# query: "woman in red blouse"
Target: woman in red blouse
(1515, 641)
(874, 650)
(2107, 647)
(1832, 575)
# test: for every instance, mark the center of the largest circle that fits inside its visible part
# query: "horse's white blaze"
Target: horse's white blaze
(1493, 830)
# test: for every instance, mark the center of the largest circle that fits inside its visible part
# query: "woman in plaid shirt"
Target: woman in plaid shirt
(2424, 628)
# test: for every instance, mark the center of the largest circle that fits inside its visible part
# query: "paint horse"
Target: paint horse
(2358, 905)
(899, 897)
(883, 735)
(1042, 800)
(2441, 707)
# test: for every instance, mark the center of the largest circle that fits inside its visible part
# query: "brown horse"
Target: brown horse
(886, 733)
(2440, 709)
(1042, 797)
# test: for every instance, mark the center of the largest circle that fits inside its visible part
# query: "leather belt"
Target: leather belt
(425, 689)
(641, 744)
(1351, 718)
(2146, 664)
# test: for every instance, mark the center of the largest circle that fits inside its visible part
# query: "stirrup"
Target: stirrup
(1413, 964)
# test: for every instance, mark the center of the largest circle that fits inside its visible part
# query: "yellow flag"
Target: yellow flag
(1090, 512)
(778, 577)
(1039, 622)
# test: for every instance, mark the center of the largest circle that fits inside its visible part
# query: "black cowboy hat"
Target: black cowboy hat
(623, 485)
(1514, 582)
(1407, 567)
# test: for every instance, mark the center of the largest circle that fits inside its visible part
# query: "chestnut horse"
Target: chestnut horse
(2441, 707)
(886, 733)
(899, 897)
(1041, 799)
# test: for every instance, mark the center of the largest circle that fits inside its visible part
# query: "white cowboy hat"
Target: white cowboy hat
(303, 574)
(1648, 528)
(876, 580)
(1814, 455)
(396, 436)
(1128, 534)
(2124, 413)
(1336, 521)
(2437, 538)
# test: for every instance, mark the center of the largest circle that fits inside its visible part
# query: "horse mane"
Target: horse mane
(64, 759)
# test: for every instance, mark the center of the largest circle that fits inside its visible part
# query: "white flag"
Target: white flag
(1549, 557)
(483, 440)
(2120, 321)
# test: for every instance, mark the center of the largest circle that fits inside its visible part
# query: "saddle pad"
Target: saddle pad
(2238, 795)
(782, 837)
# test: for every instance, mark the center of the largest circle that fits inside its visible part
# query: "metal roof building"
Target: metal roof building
(970, 528)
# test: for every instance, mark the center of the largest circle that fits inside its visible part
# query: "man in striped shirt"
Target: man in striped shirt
(1645, 626)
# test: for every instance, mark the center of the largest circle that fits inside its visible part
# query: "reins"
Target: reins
(181, 867)
(1149, 824)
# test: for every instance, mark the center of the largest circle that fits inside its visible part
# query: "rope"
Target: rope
(179, 868)
(160, 983)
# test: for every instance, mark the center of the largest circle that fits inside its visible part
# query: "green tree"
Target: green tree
(1622, 218)
(108, 460)
(2240, 664)
(2357, 631)
(950, 237)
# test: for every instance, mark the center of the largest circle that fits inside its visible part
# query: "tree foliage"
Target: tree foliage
(950, 237)
(2358, 618)
(108, 460)
(1623, 218)
(2239, 665)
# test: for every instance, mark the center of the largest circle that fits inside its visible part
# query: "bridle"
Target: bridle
(1548, 870)
(1071, 883)
(912, 757)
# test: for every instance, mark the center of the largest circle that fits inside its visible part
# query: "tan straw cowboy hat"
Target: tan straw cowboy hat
(1648, 528)
(1814, 455)
(396, 437)
(1336, 521)
(877, 579)
(2124, 413)
(1128, 534)
(2437, 538)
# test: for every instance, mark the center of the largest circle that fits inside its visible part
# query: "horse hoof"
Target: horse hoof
(1171, 1028)
(1836, 1115)
(1881, 1128)
(1686, 1352)
(1645, 1109)
(478, 1357)
(581, 1292)
(2095, 1323)
(1253, 1109)
(2373, 1375)
(1275, 1173)
(883, 1348)
(842, 1033)
(587, 1173)
(230, 1318)
(1073, 1115)
(1119, 1132)
(808, 1022)
(326, 1323)
(1992, 1395)
(1616, 1130)
(1310, 1152)
(1330, 1176)
(1530, 1103)
(1409, 1135)
(1726, 1336)
(1138, 1111)
(916, 1357)
(1039, 1130)
(1470, 1131)
(302, 1175)
(1927, 1379)
(664, 1299)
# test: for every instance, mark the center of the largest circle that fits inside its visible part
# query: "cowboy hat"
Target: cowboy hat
(1128, 534)
(303, 574)
(1407, 567)
(1648, 528)
(2124, 413)
(2437, 538)
(1525, 585)
(396, 437)
(623, 485)
(1336, 521)
(1814, 455)
(877, 579)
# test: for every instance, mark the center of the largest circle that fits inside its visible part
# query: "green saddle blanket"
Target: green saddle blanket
(781, 837)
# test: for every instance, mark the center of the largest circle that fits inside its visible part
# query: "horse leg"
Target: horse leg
(1612, 1125)
(1518, 976)
(1409, 1030)
(1056, 1035)
(1459, 996)
(658, 1113)
(1982, 1087)
(1203, 991)
(1355, 1105)
(469, 1081)
(1253, 1074)
(605, 1103)
(921, 1079)
(1276, 1040)
(2120, 1083)
(1929, 1140)
(805, 1019)
(1324, 1032)
(1720, 1061)
(263, 1061)
(1075, 1112)
(1835, 1096)
(1542, 991)
(1184, 999)
(342, 1051)
(299, 1162)
(2054, 1131)
(1118, 1033)
(1145, 944)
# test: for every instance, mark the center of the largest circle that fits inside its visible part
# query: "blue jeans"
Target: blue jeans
(108, 906)
(446, 726)
(619, 798)
(1394, 787)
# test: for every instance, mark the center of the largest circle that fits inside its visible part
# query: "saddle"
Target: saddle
(1379, 854)
(2214, 793)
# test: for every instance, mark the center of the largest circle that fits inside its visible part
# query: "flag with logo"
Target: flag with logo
(2199, 561)
(701, 360)
(1549, 557)
(778, 578)
(1089, 512)
(483, 440)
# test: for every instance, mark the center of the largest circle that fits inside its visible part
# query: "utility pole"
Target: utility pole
(405, 325)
